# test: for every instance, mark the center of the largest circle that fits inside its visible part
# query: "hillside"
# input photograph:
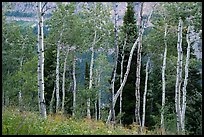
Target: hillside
(30, 123)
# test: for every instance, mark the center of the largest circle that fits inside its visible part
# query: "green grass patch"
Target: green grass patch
(27, 123)
(30, 123)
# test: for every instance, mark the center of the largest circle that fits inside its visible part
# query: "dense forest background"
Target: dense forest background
(86, 49)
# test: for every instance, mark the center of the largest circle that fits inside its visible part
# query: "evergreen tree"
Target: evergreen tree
(129, 30)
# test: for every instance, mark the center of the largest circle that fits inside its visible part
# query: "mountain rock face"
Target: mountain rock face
(26, 11)
(30, 8)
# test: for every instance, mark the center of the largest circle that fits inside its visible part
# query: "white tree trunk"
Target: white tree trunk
(63, 79)
(58, 70)
(137, 84)
(91, 76)
(41, 63)
(163, 80)
(144, 95)
(126, 73)
(57, 79)
(116, 62)
(74, 89)
(124, 79)
(178, 76)
(185, 81)
(121, 76)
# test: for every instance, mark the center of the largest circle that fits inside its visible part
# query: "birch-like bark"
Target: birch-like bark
(144, 95)
(57, 71)
(125, 75)
(74, 89)
(121, 77)
(38, 70)
(178, 75)
(91, 76)
(185, 81)
(63, 79)
(163, 80)
(41, 63)
(137, 84)
(116, 62)
(124, 79)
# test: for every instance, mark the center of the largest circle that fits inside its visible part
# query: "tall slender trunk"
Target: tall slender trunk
(137, 84)
(41, 63)
(163, 80)
(121, 76)
(185, 81)
(116, 62)
(58, 70)
(20, 91)
(144, 95)
(178, 76)
(126, 74)
(63, 79)
(74, 89)
(57, 79)
(91, 76)
(99, 97)
(52, 100)
(124, 79)
(95, 106)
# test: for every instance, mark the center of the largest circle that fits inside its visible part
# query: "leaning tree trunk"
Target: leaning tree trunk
(74, 89)
(41, 97)
(116, 62)
(163, 81)
(178, 76)
(63, 79)
(125, 75)
(185, 81)
(137, 84)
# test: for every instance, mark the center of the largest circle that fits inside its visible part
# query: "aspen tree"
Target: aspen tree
(178, 75)
(57, 72)
(63, 79)
(126, 73)
(74, 89)
(184, 91)
(121, 75)
(137, 84)
(163, 79)
(144, 95)
(115, 5)
(41, 97)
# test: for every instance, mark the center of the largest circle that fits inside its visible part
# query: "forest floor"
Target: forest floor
(30, 123)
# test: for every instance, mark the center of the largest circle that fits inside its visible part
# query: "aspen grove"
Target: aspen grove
(102, 68)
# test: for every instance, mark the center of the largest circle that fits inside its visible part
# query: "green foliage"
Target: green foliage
(26, 123)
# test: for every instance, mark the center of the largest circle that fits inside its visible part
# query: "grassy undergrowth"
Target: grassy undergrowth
(27, 123)
(30, 123)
